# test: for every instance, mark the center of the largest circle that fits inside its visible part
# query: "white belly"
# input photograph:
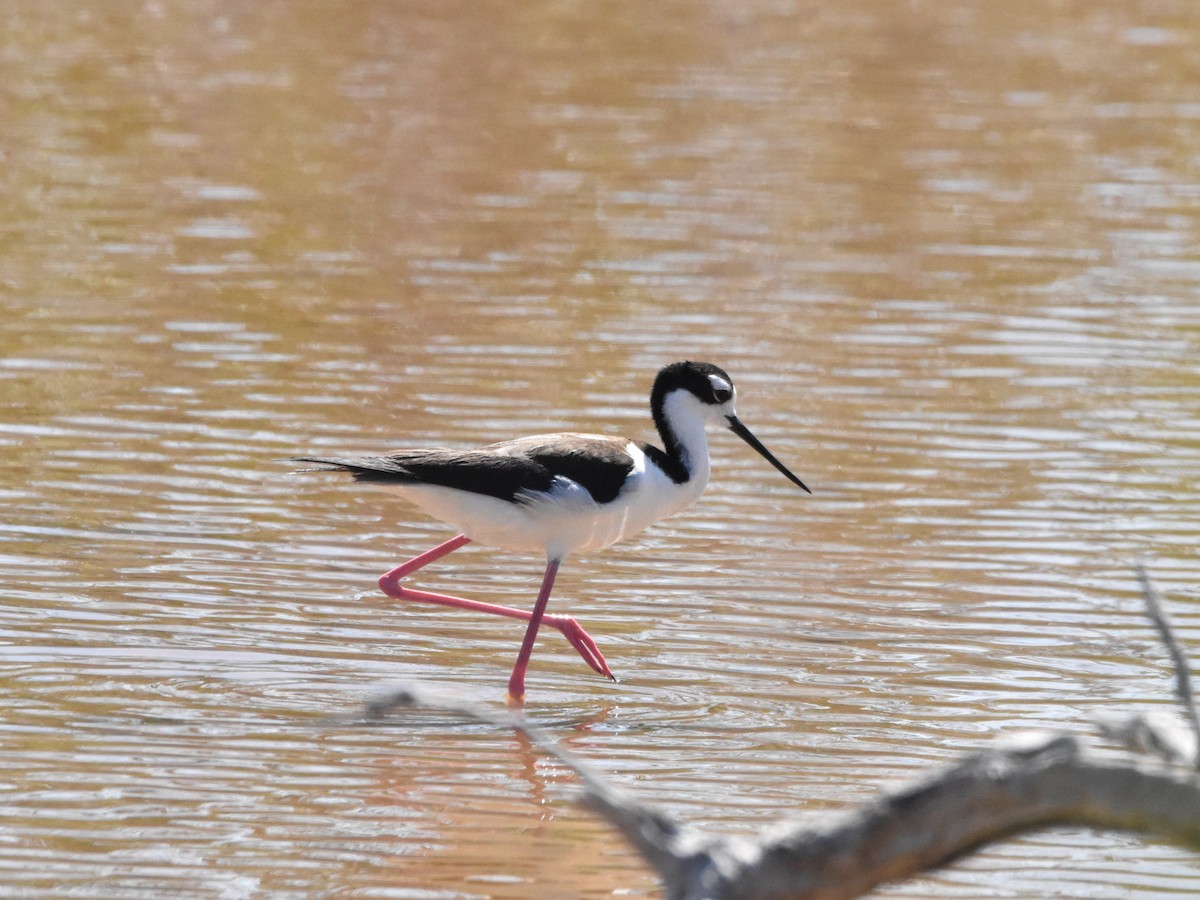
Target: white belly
(566, 520)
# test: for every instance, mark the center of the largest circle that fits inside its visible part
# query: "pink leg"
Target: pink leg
(389, 583)
(516, 682)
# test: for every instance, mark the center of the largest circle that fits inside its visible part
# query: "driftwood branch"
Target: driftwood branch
(1179, 660)
(1034, 780)
(1037, 782)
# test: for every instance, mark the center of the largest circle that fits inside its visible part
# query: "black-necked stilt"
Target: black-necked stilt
(560, 493)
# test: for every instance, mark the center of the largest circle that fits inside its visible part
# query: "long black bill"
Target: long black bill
(736, 426)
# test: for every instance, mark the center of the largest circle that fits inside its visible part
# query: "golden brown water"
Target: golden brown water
(949, 251)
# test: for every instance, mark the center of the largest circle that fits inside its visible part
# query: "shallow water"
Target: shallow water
(947, 251)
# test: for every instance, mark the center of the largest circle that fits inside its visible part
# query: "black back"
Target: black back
(506, 471)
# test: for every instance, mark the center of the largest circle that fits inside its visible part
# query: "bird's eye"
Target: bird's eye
(722, 390)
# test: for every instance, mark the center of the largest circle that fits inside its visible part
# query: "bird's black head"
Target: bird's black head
(708, 383)
(713, 387)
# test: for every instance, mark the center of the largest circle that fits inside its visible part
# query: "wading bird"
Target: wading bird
(560, 493)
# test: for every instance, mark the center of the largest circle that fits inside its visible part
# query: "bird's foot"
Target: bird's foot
(583, 644)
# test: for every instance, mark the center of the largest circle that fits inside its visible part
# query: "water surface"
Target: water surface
(947, 251)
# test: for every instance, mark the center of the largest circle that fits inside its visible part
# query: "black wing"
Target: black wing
(507, 471)
(475, 471)
(599, 464)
